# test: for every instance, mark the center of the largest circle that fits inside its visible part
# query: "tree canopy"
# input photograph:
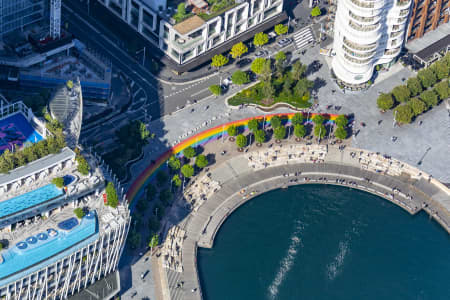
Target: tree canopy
(260, 39)
(275, 121)
(403, 114)
(417, 106)
(385, 101)
(219, 61)
(232, 130)
(201, 161)
(340, 133)
(280, 56)
(341, 121)
(260, 136)
(161, 178)
(442, 89)
(281, 29)
(241, 141)
(319, 130)
(240, 77)
(298, 70)
(297, 119)
(189, 152)
(414, 86)
(429, 97)
(401, 93)
(238, 50)
(174, 163)
(426, 77)
(299, 130)
(258, 65)
(253, 125)
(176, 180)
(280, 132)
(316, 11)
(215, 89)
(111, 195)
(318, 119)
(187, 171)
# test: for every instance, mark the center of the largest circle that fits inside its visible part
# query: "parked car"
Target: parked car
(243, 62)
(284, 42)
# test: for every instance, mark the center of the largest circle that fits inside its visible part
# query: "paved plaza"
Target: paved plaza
(412, 140)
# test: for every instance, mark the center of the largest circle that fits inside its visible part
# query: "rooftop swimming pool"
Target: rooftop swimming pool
(30, 199)
(44, 245)
(16, 130)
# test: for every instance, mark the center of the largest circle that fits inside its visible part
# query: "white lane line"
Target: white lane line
(199, 92)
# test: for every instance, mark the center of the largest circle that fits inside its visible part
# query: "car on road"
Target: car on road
(261, 53)
(227, 81)
(243, 62)
(284, 42)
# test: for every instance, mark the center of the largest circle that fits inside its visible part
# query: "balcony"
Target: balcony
(358, 55)
(182, 43)
(360, 47)
(363, 28)
(392, 51)
(356, 61)
(363, 4)
(404, 12)
(362, 19)
(395, 34)
(403, 2)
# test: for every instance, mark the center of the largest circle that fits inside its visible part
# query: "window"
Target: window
(148, 19)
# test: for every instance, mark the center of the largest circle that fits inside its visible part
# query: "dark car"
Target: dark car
(243, 62)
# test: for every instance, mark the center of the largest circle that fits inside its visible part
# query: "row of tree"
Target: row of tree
(279, 130)
(420, 93)
(239, 49)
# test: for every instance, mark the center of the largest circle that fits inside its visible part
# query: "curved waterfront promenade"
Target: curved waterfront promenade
(241, 180)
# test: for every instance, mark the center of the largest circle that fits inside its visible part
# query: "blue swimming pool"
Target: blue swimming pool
(29, 199)
(16, 130)
(68, 224)
(24, 255)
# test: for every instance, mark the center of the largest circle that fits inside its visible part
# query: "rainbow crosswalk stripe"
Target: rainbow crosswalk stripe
(201, 138)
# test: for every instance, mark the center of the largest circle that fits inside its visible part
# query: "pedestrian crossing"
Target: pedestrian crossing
(303, 37)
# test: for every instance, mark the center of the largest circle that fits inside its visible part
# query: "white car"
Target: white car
(227, 81)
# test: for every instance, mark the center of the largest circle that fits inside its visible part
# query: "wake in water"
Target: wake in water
(335, 267)
(287, 261)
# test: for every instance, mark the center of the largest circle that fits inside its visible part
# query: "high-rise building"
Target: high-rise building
(427, 15)
(367, 33)
(58, 236)
(203, 27)
(18, 14)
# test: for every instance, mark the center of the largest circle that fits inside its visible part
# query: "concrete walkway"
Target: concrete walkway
(240, 183)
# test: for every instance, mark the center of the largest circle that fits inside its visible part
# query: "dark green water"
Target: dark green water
(326, 242)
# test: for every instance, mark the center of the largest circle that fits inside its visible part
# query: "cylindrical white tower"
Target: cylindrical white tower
(367, 33)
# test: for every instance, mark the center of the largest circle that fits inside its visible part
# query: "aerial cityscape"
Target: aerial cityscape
(133, 134)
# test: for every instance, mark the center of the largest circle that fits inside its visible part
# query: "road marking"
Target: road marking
(199, 92)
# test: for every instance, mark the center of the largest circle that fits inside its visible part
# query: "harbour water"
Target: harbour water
(326, 242)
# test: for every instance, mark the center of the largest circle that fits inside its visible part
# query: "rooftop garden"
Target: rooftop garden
(213, 9)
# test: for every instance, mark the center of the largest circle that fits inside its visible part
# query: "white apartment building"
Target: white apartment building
(201, 32)
(367, 33)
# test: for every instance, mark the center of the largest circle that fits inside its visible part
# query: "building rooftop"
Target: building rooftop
(36, 166)
(429, 38)
(189, 25)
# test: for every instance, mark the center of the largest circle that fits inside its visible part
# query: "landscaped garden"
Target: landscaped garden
(277, 84)
(419, 94)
